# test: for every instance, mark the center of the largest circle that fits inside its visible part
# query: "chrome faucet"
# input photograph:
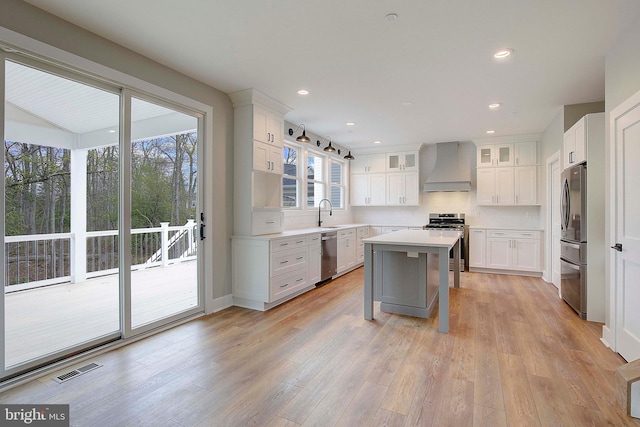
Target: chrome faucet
(330, 210)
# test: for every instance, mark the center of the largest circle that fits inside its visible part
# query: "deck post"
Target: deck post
(78, 213)
(165, 243)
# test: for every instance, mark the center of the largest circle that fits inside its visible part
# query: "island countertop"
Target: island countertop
(432, 238)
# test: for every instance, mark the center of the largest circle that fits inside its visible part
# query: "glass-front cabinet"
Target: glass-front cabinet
(402, 162)
(495, 155)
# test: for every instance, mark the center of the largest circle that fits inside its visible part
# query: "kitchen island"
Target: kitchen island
(399, 267)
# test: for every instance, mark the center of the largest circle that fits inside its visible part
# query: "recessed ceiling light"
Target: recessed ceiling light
(111, 131)
(377, 142)
(491, 131)
(407, 103)
(390, 17)
(494, 106)
(303, 92)
(503, 53)
(351, 123)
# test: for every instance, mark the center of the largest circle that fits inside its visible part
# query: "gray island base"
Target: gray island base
(408, 271)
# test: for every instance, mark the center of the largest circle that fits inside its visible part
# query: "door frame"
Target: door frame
(67, 61)
(548, 271)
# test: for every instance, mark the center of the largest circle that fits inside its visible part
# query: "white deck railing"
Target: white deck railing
(46, 259)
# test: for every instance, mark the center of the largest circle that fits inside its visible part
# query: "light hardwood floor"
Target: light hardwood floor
(516, 355)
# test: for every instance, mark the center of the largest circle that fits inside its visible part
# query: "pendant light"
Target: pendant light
(301, 138)
(329, 148)
(349, 156)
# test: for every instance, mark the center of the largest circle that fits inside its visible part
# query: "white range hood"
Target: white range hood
(449, 172)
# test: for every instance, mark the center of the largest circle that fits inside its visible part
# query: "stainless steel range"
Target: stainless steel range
(449, 221)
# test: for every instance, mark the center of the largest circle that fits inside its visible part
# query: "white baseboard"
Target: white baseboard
(607, 338)
(220, 304)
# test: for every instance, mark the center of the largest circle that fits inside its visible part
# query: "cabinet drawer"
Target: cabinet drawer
(362, 233)
(289, 259)
(392, 229)
(513, 234)
(267, 222)
(346, 233)
(288, 243)
(314, 239)
(287, 283)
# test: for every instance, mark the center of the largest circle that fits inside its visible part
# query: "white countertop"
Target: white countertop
(433, 238)
(302, 231)
(480, 227)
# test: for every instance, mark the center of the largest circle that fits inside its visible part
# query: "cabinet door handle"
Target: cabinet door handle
(299, 258)
(516, 198)
(300, 279)
(284, 286)
(284, 262)
(269, 222)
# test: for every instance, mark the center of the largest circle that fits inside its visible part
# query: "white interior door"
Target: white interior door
(626, 263)
(555, 223)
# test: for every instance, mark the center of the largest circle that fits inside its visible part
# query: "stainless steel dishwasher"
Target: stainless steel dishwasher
(329, 263)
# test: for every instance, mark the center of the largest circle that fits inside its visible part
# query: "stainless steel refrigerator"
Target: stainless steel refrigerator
(573, 242)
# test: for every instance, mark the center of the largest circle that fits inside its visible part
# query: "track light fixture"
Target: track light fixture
(301, 138)
(349, 156)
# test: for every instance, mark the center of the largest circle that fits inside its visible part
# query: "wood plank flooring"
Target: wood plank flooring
(516, 355)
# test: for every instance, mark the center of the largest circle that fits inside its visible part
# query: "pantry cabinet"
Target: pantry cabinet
(257, 163)
(507, 174)
(267, 158)
(267, 127)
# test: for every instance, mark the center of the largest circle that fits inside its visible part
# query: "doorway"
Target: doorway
(553, 219)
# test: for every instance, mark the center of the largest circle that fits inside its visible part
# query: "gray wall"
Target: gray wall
(32, 22)
(574, 112)
(622, 80)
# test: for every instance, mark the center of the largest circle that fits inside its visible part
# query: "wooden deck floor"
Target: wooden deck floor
(44, 320)
(516, 355)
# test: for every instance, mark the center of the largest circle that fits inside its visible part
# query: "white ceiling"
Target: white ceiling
(360, 67)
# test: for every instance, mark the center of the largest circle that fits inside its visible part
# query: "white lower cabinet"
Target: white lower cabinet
(361, 233)
(314, 258)
(510, 250)
(267, 272)
(477, 241)
(347, 249)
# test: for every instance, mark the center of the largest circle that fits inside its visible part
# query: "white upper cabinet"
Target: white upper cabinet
(575, 144)
(492, 156)
(368, 189)
(403, 189)
(368, 163)
(267, 127)
(526, 153)
(402, 162)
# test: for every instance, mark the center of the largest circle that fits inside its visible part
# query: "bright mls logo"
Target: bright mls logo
(35, 415)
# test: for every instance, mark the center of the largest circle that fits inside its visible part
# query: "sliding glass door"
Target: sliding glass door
(100, 201)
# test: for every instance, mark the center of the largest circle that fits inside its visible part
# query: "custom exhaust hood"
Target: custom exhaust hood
(452, 170)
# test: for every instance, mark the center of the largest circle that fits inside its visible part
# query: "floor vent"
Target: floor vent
(76, 372)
